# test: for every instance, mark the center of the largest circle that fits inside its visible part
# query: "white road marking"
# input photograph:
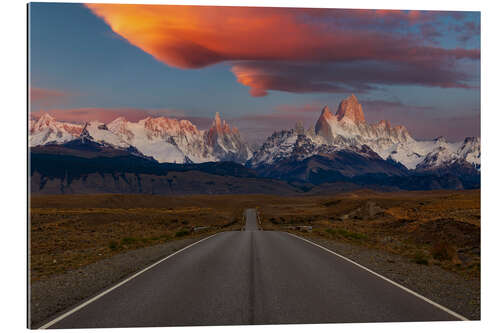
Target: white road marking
(386, 279)
(79, 307)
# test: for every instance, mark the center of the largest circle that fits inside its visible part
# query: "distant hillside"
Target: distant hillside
(73, 168)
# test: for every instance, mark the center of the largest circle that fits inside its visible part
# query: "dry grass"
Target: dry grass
(430, 227)
(70, 231)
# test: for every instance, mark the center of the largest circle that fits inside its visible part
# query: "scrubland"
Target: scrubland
(431, 227)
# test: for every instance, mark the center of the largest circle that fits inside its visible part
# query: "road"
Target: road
(252, 277)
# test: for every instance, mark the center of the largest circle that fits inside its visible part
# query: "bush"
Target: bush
(113, 245)
(182, 233)
(128, 240)
(443, 251)
(346, 234)
(420, 258)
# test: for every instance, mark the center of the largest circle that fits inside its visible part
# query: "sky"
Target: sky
(262, 69)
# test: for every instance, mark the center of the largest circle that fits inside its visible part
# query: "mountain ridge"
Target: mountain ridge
(180, 141)
(348, 129)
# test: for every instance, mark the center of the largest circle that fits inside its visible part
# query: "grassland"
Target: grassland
(432, 228)
(70, 231)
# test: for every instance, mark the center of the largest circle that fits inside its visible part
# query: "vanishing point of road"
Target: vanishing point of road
(252, 277)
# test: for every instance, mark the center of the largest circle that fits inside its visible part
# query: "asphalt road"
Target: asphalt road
(253, 277)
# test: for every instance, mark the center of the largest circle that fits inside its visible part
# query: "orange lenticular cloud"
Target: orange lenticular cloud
(198, 36)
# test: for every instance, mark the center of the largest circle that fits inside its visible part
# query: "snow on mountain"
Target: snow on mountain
(47, 130)
(470, 151)
(444, 154)
(180, 141)
(99, 132)
(278, 146)
(348, 129)
(165, 139)
(349, 123)
(225, 142)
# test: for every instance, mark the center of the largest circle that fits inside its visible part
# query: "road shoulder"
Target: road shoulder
(60, 292)
(446, 288)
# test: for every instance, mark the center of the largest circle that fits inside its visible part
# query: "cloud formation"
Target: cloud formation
(252, 39)
(46, 97)
(343, 77)
(105, 115)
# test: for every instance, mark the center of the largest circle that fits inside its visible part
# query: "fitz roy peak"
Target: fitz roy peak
(348, 130)
(180, 141)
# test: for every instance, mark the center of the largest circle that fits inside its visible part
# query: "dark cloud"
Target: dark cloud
(468, 30)
(344, 77)
(381, 105)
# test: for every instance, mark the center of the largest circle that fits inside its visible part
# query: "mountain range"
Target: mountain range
(164, 139)
(340, 148)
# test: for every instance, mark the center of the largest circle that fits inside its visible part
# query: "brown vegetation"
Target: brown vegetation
(431, 228)
(70, 231)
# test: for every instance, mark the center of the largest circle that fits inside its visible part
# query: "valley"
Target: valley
(428, 241)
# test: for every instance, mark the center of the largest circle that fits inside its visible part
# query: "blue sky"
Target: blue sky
(78, 61)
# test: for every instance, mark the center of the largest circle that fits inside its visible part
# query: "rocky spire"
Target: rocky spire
(326, 113)
(322, 127)
(217, 121)
(350, 108)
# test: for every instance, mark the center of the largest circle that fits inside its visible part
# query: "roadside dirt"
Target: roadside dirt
(59, 292)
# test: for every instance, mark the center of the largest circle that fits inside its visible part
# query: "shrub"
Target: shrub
(129, 240)
(182, 233)
(346, 234)
(443, 251)
(113, 245)
(420, 258)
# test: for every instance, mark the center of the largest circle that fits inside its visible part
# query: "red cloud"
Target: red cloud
(198, 36)
(105, 115)
(46, 97)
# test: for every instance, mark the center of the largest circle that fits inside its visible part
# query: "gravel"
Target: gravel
(51, 296)
(446, 288)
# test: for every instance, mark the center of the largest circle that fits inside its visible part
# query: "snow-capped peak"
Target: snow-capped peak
(225, 142)
(349, 125)
(45, 119)
(348, 129)
(165, 139)
(47, 130)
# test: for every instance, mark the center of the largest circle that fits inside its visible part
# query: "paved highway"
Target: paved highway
(252, 277)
